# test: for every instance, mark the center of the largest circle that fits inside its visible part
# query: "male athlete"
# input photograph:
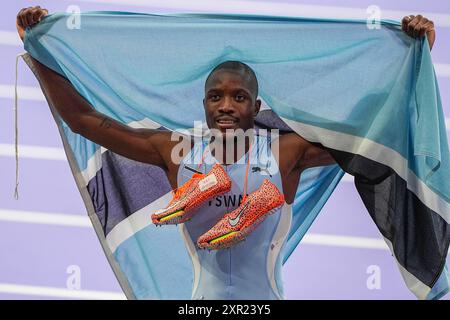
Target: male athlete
(249, 269)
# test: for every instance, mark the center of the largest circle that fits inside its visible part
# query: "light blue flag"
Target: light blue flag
(369, 96)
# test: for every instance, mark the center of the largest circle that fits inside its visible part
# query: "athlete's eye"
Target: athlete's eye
(240, 98)
(214, 97)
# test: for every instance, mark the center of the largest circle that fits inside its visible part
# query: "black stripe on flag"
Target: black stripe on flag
(420, 237)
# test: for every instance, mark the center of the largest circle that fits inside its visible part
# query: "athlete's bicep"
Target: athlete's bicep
(144, 145)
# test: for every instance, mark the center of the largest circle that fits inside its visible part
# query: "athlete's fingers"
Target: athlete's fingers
(431, 33)
(405, 21)
(412, 24)
(38, 14)
(34, 15)
(19, 18)
(419, 29)
(29, 17)
(427, 27)
(22, 17)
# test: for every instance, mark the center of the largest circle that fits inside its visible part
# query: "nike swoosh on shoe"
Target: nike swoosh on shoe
(235, 221)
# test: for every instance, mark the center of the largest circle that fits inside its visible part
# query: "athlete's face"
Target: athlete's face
(230, 101)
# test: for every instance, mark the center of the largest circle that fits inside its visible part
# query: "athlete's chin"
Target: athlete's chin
(229, 132)
(226, 131)
(224, 127)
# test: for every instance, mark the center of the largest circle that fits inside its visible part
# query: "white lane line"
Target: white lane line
(344, 241)
(59, 219)
(34, 152)
(10, 38)
(35, 93)
(442, 69)
(347, 178)
(276, 9)
(24, 93)
(70, 220)
(60, 292)
(83, 221)
(50, 153)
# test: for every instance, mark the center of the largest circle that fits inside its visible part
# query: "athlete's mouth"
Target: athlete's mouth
(226, 122)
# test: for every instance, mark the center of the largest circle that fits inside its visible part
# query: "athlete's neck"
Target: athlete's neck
(231, 150)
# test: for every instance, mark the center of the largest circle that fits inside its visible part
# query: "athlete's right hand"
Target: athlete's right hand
(28, 17)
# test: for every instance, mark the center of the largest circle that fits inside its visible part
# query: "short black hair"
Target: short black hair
(239, 67)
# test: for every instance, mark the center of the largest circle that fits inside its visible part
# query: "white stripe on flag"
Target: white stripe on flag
(59, 292)
(135, 222)
(376, 152)
(420, 289)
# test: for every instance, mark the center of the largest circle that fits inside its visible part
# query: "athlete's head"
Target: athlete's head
(231, 92)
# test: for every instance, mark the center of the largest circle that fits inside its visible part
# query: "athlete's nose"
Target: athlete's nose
(227, 105)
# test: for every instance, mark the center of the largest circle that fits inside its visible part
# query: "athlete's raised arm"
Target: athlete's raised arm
(144, 145)
(419, 26)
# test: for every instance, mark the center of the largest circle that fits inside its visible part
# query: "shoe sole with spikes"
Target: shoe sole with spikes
(197, 192)
(235, 227)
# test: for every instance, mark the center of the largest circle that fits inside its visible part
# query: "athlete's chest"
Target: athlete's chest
(246, 175)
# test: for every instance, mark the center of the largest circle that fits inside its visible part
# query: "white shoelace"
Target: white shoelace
(16, 190)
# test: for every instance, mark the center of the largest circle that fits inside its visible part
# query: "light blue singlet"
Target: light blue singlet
(252, 268)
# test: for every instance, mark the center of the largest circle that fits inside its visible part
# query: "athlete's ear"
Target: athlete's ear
(257, 107)
(204, 105)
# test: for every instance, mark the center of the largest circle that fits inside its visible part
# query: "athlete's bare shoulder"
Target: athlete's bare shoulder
(288, 150)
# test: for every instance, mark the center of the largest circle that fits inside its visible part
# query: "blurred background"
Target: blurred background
(48, 248)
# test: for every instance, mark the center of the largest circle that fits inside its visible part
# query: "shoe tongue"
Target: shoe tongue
(180, 190)
(197, 175)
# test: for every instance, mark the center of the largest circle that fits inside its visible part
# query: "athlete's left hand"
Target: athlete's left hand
(418, 26)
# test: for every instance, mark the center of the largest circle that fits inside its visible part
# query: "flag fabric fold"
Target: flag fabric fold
(370, 96)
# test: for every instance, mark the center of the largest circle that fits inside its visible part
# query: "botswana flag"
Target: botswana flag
(369, 96)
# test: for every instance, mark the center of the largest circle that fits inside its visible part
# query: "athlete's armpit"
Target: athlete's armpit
(315, 156)
(298, 154)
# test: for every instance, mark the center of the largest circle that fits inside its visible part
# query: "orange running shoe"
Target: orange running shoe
(238, 224)
(199, 189)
